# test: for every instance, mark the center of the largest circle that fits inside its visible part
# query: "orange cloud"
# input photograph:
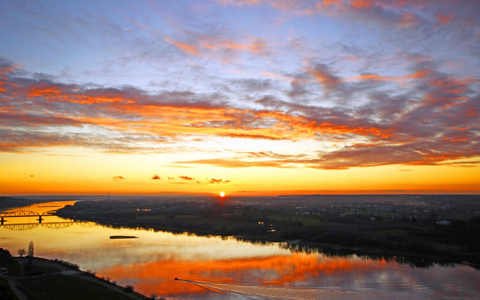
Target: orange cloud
(373, 77)
(64, 93)
(361, 4)
(220, 48)
(408, 20)
(4, 70)
(423, 73)
(189, 49)
(235, 163)
(444, 18)
(257, 46)
(452, 84)
(376, 77)
(217, 181)
(323, 75)
(331, 2)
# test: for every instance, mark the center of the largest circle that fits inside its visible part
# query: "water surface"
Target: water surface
(216, 268)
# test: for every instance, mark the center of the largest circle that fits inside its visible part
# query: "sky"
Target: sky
(249, 97)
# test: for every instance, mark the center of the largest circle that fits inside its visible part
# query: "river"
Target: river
(216, 268)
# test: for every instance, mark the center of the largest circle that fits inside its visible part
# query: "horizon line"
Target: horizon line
(255, 193)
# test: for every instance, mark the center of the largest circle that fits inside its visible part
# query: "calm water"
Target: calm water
(215, 268)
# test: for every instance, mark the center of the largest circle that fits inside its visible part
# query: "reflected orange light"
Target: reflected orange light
(158, 277)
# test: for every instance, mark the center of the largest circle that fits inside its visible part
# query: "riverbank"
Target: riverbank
(38, 278)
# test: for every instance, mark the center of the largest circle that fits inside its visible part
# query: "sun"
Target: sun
(222, 194)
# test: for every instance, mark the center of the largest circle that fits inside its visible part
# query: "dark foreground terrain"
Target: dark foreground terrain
(418, 229)
(37, 278)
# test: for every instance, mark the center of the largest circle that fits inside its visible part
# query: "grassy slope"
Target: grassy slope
(79, 287)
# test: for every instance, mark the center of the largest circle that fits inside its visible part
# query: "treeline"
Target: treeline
(9, 202)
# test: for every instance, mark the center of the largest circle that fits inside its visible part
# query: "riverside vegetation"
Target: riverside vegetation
(417, 229)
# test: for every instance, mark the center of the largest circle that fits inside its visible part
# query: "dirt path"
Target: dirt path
(20, 295)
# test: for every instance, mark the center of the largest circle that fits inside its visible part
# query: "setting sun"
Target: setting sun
(222, 194)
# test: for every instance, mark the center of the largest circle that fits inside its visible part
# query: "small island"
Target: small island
(115, 237)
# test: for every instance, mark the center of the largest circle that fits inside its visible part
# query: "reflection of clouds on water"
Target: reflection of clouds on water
(156, 277)
(314, 275)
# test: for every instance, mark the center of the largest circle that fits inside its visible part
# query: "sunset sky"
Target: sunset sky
(249, 97)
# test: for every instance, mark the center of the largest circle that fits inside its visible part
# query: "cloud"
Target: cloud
(186, 178)
(376, 77)
(156, 177)
(324, 76)
(443, 18)
(432, 119)
(408, 20)
(218, 181)
(117, 178)
(404, 15)
(189, 49)
(226, 47)
(238, 163)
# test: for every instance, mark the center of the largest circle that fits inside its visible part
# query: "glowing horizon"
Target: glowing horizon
(268, 97)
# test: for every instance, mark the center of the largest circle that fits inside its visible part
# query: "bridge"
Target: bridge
(50, 225)
(26, 213)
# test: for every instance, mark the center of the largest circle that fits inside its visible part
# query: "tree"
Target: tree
(22, 252)
(129, 289)
(30, 249)
(30, 254)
